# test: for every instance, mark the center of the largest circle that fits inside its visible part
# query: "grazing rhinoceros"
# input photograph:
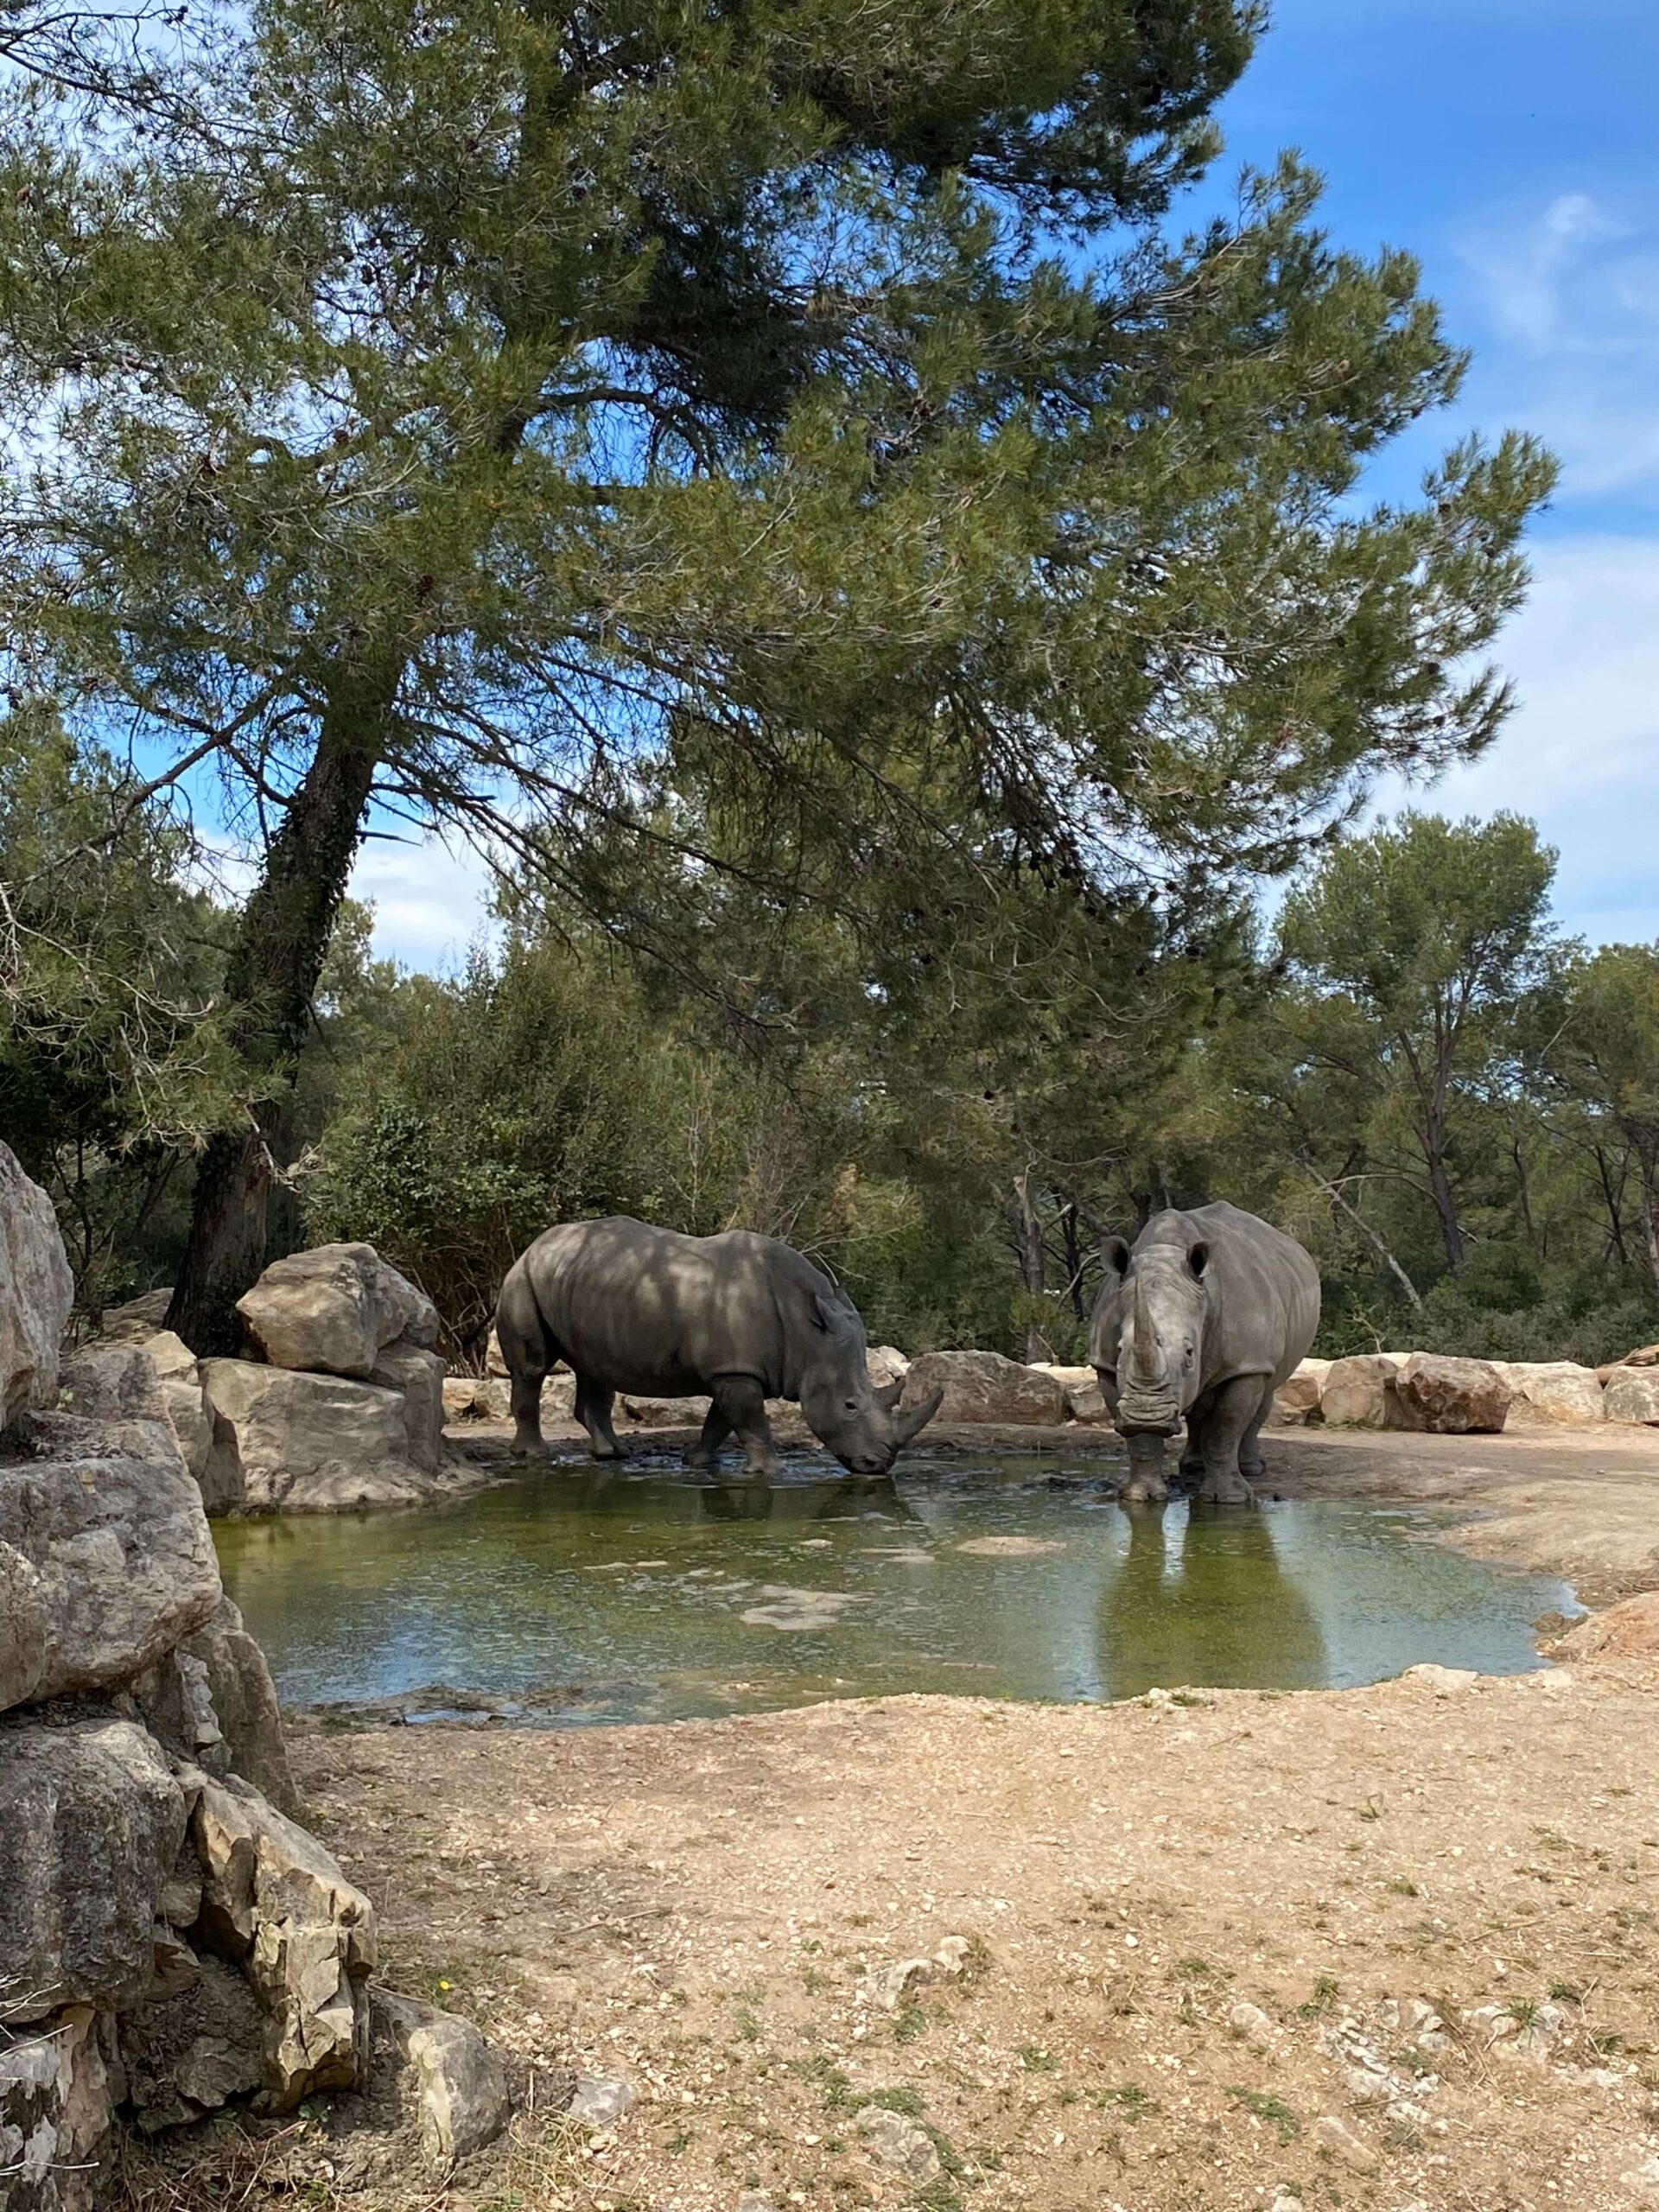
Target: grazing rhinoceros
(1205, 1318)
(744, 1318)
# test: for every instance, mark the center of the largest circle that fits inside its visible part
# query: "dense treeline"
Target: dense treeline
(783, 479)
(1456, 1107)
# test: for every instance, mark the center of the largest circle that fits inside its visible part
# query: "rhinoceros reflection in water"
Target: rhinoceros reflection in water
(827, 1501)
(1216, 1607)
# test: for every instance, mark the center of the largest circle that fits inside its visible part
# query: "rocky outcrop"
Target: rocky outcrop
(1632, 1395)
(416, 1375)
(334, 1309)
(179, 1375)
(1448, 1397)
(1084, 1400)
(36, 1291)
(1644, 1356)
(1356, 1390)
(169, 1938)
(1297, 1399)
(983, 1386)
(887, 1365)
(287, 1442)
(1548, 1393)
(1628, 1631)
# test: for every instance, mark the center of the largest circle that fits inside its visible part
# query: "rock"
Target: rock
(898, 2143)
(275, 1903)
(139, 1319)
(36, 1291)
(120, 1545)
(91, 1823)
(24, 1618)
(1250, 2022)
(187, 2053)
(494, 1359)
(887, 1364)
(460, 2088)
(1643, 2178)
(1551, 1391)
(244, 1701)
(783, 1606)
(1515, 2031)
(1444, 1682)
(1012, 1547)
(477, 1397)
(56, 2094)
(1356, 1391)
(754, 2200)
(1449, 1397)
(888, 1985)
(1084, 1400)
(660, 1413)
(1335, 2136)
(600, 2100)
(953, 1954)
(982, 1386)
(1646, 1356)
(294, 1443)
(1633, 1395)
(1297, 1399)
(418, 1377)
(1629, 1630)
(182, 1396)
(330, 1311)
(177, 1706)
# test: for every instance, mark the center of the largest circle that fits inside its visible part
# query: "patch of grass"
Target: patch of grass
(832, 2083)
(1404, 1887)
(1607, 2046)
(747, 2026)
(976, 1963)
(1199, 1970)
(1266, 2106)
(1372, 1809)
(1036, 2060)
(1566, 1992)
(1128, 2098)
(1327, 1989)
(1523, 2011)
(900, 2099)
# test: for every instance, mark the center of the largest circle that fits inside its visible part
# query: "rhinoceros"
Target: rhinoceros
(1205, 1318)
(744, 1318)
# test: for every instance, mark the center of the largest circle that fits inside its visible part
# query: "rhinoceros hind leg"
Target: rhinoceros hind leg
(742, 1404)
(1235, 1413)
(593, 1405)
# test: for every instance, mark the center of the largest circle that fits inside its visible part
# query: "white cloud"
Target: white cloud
(431, 900)
(1581, 753)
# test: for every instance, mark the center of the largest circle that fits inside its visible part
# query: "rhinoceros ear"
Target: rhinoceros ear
(1198, 1258)
(1115, 1255)
(888, 1394)
(831, 1314)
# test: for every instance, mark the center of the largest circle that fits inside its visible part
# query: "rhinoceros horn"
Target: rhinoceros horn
(910, 1423)
(888, 1394)
(1144, 1369)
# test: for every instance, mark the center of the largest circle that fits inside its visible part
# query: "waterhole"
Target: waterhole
(570, 1596)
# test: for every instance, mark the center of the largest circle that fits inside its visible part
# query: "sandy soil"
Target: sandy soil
(1396, 1948)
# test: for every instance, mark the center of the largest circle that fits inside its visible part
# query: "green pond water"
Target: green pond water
(572, 1596)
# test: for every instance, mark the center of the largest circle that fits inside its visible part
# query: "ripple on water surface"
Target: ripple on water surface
(571, 1596)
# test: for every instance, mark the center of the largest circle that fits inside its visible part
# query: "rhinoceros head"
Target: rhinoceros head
(1161, 1336)
(861, 1423)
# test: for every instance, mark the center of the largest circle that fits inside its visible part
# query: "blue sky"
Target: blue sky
(1513, 145)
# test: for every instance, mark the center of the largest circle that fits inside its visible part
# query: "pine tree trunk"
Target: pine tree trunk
(1032, 1262)
(280, 941)
(1440, 1186)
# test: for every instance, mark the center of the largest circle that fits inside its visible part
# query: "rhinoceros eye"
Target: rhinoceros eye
(852, 1405)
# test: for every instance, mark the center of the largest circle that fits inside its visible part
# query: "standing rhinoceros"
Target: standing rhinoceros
(1205, 1318)
(634, 1308)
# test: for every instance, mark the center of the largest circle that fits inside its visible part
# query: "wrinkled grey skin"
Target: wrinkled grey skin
(630, 1307)
(1202, 1320)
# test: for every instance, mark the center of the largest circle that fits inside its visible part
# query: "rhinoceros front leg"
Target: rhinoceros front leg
(1146, 1484)
(1235, 1414)
(742, 1404)
(704, 1454)
(593, 1405)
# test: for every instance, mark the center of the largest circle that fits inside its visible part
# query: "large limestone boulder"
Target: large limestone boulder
(1632, 1395)
(197, 2043)
(36, 1291)
(57, 2082)
(138, 1321)
(331, 1311)
(658, 1412)
(275, 1904)
(1356, 1390)
(25, 1625)
(1297, 1399)
(477, 1397)
(982, 1386)
(417, 1375)
(887, 1364)
(245, 1705)
(1644, 1356)
(1449, 1397)
(459, 2089)
(1550, 1392)
(294, 1443)
(1084, 1400)
(91, 1823)
(123, 1558)
(179, 1377)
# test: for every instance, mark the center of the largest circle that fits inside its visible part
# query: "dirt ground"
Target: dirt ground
(1394, 1948)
